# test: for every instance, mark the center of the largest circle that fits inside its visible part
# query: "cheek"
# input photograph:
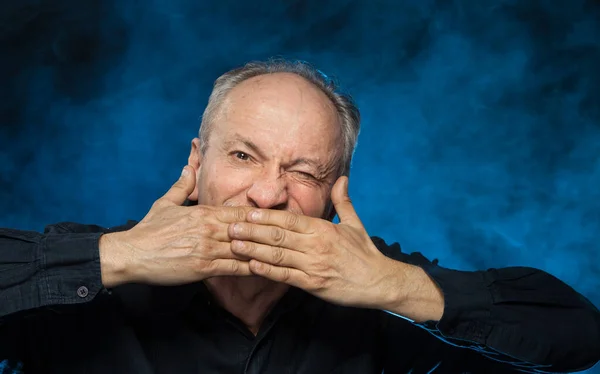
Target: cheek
(220, 183)
(311, 202)
(212, 193)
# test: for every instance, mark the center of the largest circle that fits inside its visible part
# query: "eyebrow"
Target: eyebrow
(253, 147)
(247, 142)
(306, 161)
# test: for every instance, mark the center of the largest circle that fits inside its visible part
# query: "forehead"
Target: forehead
(282, 112)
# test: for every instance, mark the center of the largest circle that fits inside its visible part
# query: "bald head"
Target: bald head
(289, 100)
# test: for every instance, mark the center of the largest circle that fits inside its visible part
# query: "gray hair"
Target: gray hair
(347, 110)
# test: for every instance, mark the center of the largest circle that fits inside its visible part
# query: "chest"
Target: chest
(292, 343)
(328, 342)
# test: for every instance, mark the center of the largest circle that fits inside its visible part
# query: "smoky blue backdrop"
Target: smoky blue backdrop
(480, 142)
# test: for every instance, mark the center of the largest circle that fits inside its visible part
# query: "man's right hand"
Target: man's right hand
(173, 244)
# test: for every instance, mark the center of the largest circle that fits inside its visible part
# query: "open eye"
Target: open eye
(241, 155)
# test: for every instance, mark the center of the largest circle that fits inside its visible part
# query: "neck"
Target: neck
(250, 299)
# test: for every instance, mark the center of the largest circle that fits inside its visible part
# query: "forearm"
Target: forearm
(518, 315)
(58, 267)
(524, 314)
(52, 268)
(18, 270)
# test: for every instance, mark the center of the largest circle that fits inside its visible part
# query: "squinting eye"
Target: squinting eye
(305, 175)
(242, 156)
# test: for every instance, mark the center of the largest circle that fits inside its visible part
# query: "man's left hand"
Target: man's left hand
(336, 262)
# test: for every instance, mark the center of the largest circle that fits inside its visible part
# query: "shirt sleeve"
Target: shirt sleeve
(517, 316)
(60, 266)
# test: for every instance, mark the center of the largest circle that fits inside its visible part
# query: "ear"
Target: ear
(195, 161)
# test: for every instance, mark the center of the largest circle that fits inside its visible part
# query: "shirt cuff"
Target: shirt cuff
(70, 268)
(467, 304)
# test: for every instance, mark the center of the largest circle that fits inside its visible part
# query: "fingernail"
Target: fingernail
(254, 215)
(237, 228)
(184, 172)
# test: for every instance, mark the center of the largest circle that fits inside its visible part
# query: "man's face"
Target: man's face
(275, 145)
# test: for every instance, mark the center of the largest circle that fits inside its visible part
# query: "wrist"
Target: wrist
(415, 295)
(395, 292)
(114, 260)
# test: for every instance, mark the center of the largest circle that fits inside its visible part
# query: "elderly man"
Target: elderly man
(239, 269)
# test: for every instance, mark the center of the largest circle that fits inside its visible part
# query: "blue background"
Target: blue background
(481, 134)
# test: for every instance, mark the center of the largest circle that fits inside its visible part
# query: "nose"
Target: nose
(269, 191)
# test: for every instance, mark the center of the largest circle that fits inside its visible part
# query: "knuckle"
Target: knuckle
(252, 247)
(239, 213)
(277, 235)
(210, 267)
(277, 255)
(204, 250)
(207, 229)
(267, 269)
(234, 267)
(291, 220)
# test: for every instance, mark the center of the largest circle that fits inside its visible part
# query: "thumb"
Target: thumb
(182, 188)
(342, 203)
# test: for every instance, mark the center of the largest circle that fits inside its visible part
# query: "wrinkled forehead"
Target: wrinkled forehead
(283, 112)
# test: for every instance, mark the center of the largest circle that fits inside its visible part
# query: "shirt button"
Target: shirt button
(82, 291)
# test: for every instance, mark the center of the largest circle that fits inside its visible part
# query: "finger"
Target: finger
(293, 277)
(342, 203)
(267, 253)
(287, 220)
(213, 222)
(218, 232)
(232, 214)
(204, 229)
(180, 191)
(271, 235)
(227, 267)
(222, 251)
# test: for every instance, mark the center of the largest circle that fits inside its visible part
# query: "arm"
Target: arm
(517, 315)
(71, 263)
(408, 348)
(59, 266)
(522, 316)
